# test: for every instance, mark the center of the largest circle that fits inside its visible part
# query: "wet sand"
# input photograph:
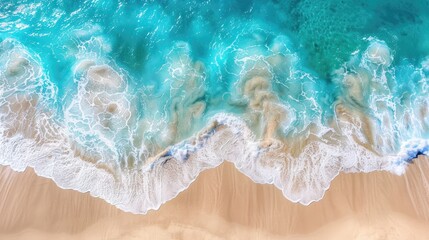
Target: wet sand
(224, 204)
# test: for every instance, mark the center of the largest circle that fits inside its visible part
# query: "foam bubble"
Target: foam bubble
(101, 112)
(20, 69)
(379, 53)
(425, 64)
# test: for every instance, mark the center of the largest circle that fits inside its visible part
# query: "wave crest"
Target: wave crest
(134, 148)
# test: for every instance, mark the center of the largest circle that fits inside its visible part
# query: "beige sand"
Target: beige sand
(223, 204)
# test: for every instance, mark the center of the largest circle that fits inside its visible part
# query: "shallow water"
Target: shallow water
(132, 100)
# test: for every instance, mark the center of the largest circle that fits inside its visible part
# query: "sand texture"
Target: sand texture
(224, 204)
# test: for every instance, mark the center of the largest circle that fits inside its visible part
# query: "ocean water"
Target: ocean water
(131, 100)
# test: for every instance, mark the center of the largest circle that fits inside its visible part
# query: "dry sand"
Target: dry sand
(223, 204)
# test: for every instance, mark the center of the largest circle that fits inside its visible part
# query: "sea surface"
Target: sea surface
(131, 100)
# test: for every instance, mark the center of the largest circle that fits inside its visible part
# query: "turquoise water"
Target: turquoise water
(130, 100)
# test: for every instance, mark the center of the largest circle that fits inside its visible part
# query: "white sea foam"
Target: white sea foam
(94, 149)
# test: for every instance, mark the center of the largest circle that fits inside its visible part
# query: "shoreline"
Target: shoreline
(223, 203)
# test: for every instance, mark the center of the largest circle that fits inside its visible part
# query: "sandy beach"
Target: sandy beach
(223, 204)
